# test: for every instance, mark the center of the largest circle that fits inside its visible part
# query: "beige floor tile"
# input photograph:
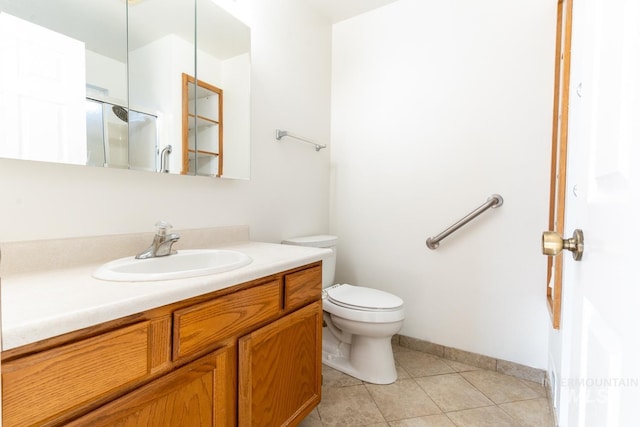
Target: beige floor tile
(530, 413)
(419, 364)
(520, 371)
(425, 383)
(540, 389)
(490, 416)
(402, 373)
(348, 406)
(461, 367)
(502, 388)
(440, 420)
(451, 392)
(402, 399)
(334, 378)
(312, 420)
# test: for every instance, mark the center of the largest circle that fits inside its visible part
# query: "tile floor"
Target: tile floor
(431, 391)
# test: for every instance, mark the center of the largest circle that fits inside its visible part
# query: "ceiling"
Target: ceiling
(339, 10)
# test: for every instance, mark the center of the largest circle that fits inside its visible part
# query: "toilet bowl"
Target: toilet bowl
(358, 322)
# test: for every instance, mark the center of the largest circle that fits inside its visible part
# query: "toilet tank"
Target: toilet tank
(320, 241)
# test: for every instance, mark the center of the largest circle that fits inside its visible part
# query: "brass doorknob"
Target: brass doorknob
(553, 243)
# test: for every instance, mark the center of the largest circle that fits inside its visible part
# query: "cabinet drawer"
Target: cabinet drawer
(302, 287)
(199, 327)
(44, 386)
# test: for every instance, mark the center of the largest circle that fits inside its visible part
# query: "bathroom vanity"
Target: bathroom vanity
(247, 353)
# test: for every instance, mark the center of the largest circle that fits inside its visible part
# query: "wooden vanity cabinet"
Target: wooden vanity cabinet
(249, 355)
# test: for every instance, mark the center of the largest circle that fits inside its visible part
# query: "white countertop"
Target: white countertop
(50, 303)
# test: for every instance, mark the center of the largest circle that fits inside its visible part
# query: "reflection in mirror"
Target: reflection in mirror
(202, 124)
(51, 62)
(223, 67)
(106, 134)
(72, 97)
(161, 48)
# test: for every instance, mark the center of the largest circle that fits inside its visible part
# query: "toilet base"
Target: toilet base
(368, 359)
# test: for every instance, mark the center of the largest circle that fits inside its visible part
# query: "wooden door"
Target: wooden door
(280, 370)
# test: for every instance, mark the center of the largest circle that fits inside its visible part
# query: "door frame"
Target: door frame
(560, 127)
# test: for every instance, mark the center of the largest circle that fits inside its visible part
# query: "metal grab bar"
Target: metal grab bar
(282, 133)
(494, 201)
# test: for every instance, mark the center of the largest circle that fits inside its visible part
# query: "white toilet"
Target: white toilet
(359, 322)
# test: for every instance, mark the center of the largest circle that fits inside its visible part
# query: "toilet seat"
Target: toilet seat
(338, 301)
(361, 298)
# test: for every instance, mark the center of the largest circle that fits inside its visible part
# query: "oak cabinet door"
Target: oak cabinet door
(280, 369)
(193, 395)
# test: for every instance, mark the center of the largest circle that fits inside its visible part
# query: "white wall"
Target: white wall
(436, 106)
(289, 188)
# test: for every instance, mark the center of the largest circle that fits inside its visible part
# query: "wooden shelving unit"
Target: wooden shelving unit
(202, 136)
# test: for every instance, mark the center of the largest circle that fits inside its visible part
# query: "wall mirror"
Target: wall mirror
(100, 83)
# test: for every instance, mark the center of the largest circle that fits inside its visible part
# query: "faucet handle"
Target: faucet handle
(162, 227)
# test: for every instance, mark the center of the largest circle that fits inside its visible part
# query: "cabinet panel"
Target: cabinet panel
(302, 287)
(190, 396)
(160, 333)
(280, 369)
(199, 327)
(44, 386)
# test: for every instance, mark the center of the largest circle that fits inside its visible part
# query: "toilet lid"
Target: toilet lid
(362, 298)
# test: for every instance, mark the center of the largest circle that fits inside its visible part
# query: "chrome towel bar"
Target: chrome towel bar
(494, 201)
(282, 133)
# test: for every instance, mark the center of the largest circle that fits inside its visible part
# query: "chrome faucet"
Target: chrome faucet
(162, 242)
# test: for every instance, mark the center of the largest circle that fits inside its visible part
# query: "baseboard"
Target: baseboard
(474, 359)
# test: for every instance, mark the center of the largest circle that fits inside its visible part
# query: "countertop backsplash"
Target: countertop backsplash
(42, 255)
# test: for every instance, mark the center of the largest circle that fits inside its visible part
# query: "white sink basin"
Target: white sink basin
(187, 263)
